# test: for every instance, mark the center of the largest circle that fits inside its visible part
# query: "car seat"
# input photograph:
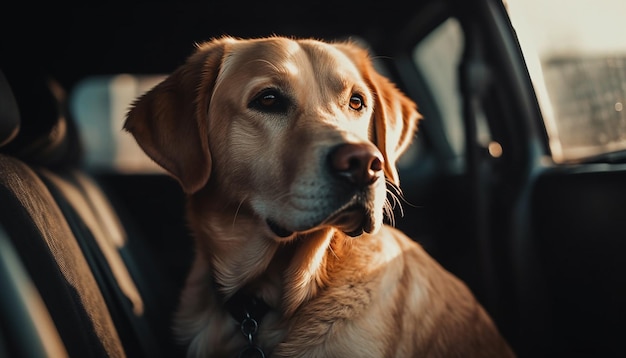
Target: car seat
(102, 296)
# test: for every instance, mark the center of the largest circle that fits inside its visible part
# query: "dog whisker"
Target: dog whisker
(237, 212)
(395, 189)
(389, 213)
(396, 196)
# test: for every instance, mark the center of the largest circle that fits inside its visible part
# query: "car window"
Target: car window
(99, 105)
(437, 58)
(576, 54)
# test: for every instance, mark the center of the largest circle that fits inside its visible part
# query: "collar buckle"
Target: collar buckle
(248, 312)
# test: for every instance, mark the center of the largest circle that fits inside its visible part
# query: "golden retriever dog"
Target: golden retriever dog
(286, 149)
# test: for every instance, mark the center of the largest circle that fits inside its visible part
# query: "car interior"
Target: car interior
(94, 247)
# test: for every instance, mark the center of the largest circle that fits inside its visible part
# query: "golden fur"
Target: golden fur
(250, 127)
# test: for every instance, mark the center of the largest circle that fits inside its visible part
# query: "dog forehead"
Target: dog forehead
(286, 58)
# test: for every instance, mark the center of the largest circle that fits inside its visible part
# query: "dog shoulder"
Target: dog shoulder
(402, 303)
(441, 312)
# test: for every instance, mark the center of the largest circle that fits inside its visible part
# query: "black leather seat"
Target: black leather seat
(100, 291)
(27, 328)
(51, 255)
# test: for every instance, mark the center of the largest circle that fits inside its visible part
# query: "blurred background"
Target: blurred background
(576, 52)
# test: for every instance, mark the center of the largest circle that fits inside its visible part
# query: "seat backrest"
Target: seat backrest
(138, 294)
(50, 252)
(28, 328)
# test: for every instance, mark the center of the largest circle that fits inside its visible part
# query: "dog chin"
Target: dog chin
(353, 220)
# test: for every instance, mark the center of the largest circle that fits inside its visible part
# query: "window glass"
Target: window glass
(576, 54)
(99, 106)
(438, 57)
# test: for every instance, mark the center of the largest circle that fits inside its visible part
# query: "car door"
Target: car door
(572, 279)
(528, 203)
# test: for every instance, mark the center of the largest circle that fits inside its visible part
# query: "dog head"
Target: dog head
(300, 134)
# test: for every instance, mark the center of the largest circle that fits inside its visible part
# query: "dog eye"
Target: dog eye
(270, 101)
(356, 102)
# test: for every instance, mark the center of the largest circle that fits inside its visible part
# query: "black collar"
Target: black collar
(243, 305)
(248, 311)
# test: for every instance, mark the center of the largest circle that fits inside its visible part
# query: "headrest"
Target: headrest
(9, 112)
(47, 136)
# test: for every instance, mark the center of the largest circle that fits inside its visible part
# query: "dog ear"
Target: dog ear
(395, 121)
(395, 115)
(169, 122)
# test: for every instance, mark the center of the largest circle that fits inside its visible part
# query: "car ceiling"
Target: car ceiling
(72, 42)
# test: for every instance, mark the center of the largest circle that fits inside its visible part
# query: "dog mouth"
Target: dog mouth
(277, 229)
(353, 219)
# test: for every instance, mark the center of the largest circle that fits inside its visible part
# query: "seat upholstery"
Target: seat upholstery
(28, 327)
(116, 286)
(46, 245)
(46, 136)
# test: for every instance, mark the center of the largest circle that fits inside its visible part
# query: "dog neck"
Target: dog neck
(282, 274)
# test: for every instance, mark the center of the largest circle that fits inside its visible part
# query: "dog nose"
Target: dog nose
(359, 164)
